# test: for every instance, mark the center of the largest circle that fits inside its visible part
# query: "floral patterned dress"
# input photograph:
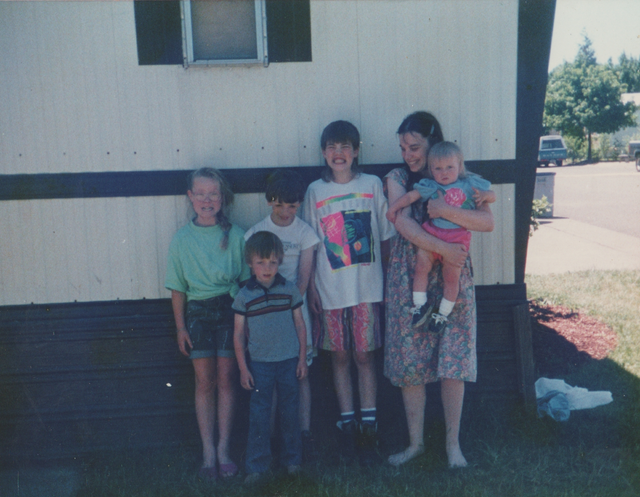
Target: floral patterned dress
(415, 356)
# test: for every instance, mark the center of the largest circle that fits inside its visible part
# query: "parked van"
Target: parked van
(552, 149)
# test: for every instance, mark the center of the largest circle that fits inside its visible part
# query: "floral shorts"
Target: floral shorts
(351, 328)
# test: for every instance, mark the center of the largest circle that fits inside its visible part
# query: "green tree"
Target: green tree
(583, 97)
(628, 70)
(586, 55)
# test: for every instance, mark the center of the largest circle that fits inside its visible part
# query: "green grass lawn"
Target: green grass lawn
(511, 452)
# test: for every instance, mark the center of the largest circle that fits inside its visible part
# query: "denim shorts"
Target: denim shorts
(210, 327)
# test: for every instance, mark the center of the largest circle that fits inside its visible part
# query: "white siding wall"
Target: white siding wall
(75, 100)
(493, 254)
(107, 249)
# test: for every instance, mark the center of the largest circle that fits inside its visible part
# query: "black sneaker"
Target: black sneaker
(438, 323)
(309, 450)
(367, 443)
(420, 315)
(347, 438)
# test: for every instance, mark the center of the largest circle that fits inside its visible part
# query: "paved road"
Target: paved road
(596, 223)
(606, 194)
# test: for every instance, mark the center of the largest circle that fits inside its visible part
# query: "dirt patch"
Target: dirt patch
(563, 338)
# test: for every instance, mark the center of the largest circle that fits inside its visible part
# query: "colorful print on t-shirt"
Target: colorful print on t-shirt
(456, 198)
(347, 238)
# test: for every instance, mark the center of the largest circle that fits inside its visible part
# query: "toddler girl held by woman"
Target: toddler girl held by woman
(461, 189)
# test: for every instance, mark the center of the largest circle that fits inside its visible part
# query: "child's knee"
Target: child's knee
(423, 257)
(424, 260)
(340, 358)
(450, 274)
(364, 359)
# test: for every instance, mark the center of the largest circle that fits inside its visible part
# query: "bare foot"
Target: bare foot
(406, 455)
(456, 459)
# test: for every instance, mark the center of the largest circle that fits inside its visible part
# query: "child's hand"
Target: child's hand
(184, 342)
(302, 369)
(246, 380)
(483, 197)
(437, 207)
(392, 214)
(314, 300)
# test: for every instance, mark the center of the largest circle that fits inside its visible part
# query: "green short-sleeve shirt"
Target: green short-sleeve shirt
(199, 268)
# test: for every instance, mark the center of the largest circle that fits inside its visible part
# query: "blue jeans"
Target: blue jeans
(266, 375)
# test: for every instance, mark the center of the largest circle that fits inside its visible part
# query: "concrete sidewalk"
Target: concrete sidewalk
(562, 245)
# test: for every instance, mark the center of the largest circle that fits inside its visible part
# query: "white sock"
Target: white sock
(446, 306)
(419, 298)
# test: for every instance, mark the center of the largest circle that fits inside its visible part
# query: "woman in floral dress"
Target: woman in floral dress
(413, 356)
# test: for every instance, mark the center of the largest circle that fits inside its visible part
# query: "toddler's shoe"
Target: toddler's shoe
(438, 323)
(347, 438)
(367, 443)
(420, 315)
(309, 450)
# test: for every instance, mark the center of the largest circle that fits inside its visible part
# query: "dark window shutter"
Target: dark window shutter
(159, 31)
(289, 30)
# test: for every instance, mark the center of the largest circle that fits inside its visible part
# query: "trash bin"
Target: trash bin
(544, 187)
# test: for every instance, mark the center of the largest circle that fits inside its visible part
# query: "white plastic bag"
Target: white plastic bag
(579, 398)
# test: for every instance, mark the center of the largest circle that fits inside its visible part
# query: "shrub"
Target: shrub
(539, 207)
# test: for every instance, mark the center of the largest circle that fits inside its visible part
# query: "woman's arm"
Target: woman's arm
(404, 201)
(480, 219)
(408, 228)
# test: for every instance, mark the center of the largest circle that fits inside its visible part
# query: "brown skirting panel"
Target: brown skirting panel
(106, 375)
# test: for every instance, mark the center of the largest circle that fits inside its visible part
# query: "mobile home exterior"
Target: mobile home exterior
(102, 118)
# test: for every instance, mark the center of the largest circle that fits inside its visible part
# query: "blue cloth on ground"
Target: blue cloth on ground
(555, 397)
(555, 404)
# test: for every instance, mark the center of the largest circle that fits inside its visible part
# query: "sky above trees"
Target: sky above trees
(609, 24)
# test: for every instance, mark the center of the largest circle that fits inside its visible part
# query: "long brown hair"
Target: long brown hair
(425, 124)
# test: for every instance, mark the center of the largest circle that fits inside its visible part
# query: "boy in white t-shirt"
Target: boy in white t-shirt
(285, 192)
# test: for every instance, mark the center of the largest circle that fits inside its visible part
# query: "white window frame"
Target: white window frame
(261, 39)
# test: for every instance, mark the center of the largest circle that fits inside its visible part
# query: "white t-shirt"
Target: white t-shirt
(350, 221)
(296, 237)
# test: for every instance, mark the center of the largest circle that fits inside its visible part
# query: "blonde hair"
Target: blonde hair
(227, 198)
(444, 150)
